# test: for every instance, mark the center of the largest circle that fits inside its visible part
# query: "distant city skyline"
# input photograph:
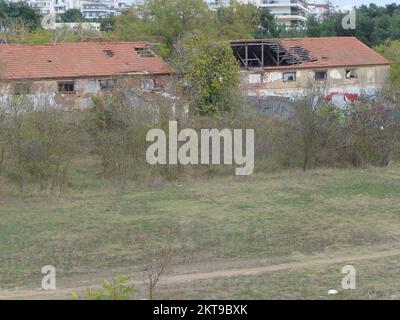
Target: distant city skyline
(340, 3)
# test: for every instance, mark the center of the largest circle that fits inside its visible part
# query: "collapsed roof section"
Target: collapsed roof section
(269, 53)
(305, 53)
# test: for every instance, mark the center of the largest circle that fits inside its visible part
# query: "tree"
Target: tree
(267, 24)
(313, 27)
(208, 72)
(164, 21)
(107, 24)
(238, 21)
(374, 133)
(315, 123)
(18, 12)
(72, 15)
(391, 50)
(156, 268)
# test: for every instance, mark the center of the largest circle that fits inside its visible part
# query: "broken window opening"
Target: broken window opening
(66, 86)
(320, 74)
(351, 74)
(109, 53)
(289, 76)
(148, 84)
(145, 52)
(107, 84)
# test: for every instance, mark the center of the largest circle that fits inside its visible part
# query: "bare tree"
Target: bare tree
(307, 124)
(156, 269)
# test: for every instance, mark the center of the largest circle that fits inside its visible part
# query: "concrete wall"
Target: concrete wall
(270, 83)
(46, 91)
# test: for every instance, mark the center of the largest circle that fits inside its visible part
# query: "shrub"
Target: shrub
(118, 289)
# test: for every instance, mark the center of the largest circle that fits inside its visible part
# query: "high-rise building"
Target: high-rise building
(43, 7)
(321, 10)
(290, 13)
(91, 9)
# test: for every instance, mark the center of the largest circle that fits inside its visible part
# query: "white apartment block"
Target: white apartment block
(43, 7)
(321, 10)
(91, 9)
(290, 13)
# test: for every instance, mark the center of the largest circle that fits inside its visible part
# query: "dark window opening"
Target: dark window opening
(320, 75)
(109, 53)
(351, 74)
(22, 88)
(289, 76)
(148, 84)
(107, 84)
(145, 52)
(66, 86)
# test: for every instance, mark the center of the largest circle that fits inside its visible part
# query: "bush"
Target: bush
(37, 145)
(115, 290)
(374, 134)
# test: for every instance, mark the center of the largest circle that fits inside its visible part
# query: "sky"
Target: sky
(342, 3)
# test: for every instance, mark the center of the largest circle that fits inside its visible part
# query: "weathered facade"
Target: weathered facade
(68, 76)
(290, 67)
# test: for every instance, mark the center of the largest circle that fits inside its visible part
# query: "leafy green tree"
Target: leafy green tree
(313, 27)
(268, 25)
(238, 20)
(164, 21)
(374, 25)
(72, 15)
(395, 25)
(107, 23)
(208, 72)
(18, 12)
(391, 50)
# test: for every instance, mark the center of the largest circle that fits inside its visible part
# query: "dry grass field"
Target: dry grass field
(97, 230)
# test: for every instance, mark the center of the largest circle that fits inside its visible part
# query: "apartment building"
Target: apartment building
(290, 13)
(91, 9)
(321, 10)
(43, 7)
(95, 9)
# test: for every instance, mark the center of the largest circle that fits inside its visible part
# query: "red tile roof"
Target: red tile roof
(54, 61)
(332, 52)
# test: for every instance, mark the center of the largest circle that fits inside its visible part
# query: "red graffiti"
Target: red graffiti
(346, 96)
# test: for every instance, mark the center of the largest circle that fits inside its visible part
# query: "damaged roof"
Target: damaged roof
(305, 53)
(78, 60)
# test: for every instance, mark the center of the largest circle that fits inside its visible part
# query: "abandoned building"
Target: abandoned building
(69, 75)
(343, 67)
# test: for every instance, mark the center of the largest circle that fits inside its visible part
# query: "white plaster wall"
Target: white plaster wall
(369, 79)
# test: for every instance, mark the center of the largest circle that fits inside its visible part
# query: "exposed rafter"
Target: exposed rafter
(267, 53)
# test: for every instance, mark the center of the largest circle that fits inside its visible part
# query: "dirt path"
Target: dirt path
(187, 277)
